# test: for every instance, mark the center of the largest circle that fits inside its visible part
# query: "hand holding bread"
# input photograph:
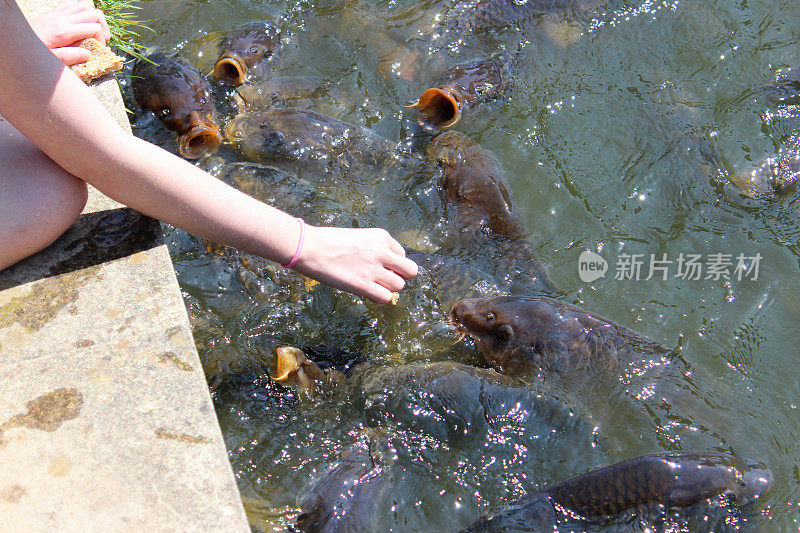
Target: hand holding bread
(61, 28)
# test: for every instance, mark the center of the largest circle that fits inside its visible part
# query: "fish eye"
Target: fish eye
(255, 49)
(490, 316)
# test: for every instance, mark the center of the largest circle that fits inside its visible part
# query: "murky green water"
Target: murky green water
(599, 141)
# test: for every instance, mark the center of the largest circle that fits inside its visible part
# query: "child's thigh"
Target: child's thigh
(38, 199)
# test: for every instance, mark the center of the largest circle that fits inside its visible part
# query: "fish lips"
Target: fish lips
(438, 108)
(231, 68)
(200, 140)
(458, 318)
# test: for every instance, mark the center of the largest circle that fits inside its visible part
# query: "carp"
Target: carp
(521, 334)
(661, 483)
(610, 371)
(275, 89)
(475, 15)
(348, 496)
(452, 402)
(461, 88)
(303, 137)
(247, 51)
(180, 97)
(474, 181)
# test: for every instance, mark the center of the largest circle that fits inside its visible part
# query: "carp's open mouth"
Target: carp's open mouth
(230, 69)
(437, 109)
(199, 141)
(462, 331)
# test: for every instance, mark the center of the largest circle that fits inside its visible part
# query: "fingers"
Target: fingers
(71, 55)
(104, 26)
(378, 294)
(92, 16)
(404, 267)
(391, 281)
(76, 32)
(396, 247)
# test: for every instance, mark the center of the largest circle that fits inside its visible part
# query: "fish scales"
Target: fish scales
(665, 482)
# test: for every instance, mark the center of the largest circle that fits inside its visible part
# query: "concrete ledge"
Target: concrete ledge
(106, 423)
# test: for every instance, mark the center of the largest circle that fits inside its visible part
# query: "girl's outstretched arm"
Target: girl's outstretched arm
(48, 104)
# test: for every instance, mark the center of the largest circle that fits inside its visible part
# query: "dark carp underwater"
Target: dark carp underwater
(180, 97)
(519, 335)
(474, 181)
(665, 484)
(476, 15)
(301, 138)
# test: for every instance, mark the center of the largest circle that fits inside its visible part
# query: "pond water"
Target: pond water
(604, 138)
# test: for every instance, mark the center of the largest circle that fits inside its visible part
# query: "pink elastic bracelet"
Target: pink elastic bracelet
(291, 263)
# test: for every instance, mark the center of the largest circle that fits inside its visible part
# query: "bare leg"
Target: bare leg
(38, 199)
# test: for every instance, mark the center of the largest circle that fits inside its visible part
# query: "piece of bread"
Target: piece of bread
(102, 61)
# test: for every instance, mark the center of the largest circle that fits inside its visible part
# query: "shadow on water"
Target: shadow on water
(95, 238)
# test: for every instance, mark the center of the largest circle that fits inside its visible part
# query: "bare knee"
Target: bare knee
(40, 218)
(69, 197)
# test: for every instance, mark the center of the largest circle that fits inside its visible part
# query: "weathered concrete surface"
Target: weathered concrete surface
(106, 423)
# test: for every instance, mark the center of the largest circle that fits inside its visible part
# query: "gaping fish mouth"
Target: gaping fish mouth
(460, 329)
(438, 108)
(200, 140)
(287, 360)
(230, 68)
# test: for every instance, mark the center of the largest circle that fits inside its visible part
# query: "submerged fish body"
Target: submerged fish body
(302, 137)
(180, 97)
(461, 88)
(245, 51)
(610, 371)
(452, 402)
(475, 15)
(661, 482)
(519, 335)
(276, 89)
(771, 178)
(474, 182)
(349, 494)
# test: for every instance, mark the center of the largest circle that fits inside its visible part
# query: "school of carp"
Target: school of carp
(526, 335)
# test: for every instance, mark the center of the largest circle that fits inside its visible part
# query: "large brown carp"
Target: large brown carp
(474, 181)
(180, 97)
(657, 484)
(246, 51)
(306, 138)
(614, 373)
(520, 335)
(461, 88)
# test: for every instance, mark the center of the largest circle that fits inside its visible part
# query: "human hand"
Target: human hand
(366, 262)
(67, 24)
